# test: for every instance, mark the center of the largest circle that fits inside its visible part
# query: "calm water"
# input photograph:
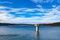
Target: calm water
(25, 32)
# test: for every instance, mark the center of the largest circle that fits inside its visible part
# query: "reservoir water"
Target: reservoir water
(27, 32)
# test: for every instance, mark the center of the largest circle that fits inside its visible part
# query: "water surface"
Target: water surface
(25, 32)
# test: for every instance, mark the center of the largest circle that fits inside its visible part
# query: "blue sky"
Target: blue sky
(29, 11)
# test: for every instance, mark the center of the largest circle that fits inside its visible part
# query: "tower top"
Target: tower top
(37, 25)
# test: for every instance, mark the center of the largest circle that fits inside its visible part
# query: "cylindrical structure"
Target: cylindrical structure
(37, 31)
(37, 27)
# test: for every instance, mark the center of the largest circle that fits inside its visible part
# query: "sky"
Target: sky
(29, 11)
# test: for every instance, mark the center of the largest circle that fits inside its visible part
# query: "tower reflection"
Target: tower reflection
(37, 35)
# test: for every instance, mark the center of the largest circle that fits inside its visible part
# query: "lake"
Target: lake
(26, 32)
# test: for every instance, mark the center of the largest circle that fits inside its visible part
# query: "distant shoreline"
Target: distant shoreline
(8, 24)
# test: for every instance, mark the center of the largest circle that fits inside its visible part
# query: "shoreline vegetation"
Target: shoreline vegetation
(53, 24)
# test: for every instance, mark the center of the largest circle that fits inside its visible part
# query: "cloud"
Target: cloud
(42, 1)
(49, 15)
(54, 6)
(53, 15)
(40, 9)
(3, 2)
(4, 17)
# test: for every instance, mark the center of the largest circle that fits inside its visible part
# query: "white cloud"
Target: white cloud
(3, 2)
(39, 6)
(4, 17)
(2, 7)
(17, 10)
(47, 1)
(52, 15)
(29, 10)
(54, 6)
(42, 1)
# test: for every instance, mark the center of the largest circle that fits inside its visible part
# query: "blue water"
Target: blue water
(26, 32)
